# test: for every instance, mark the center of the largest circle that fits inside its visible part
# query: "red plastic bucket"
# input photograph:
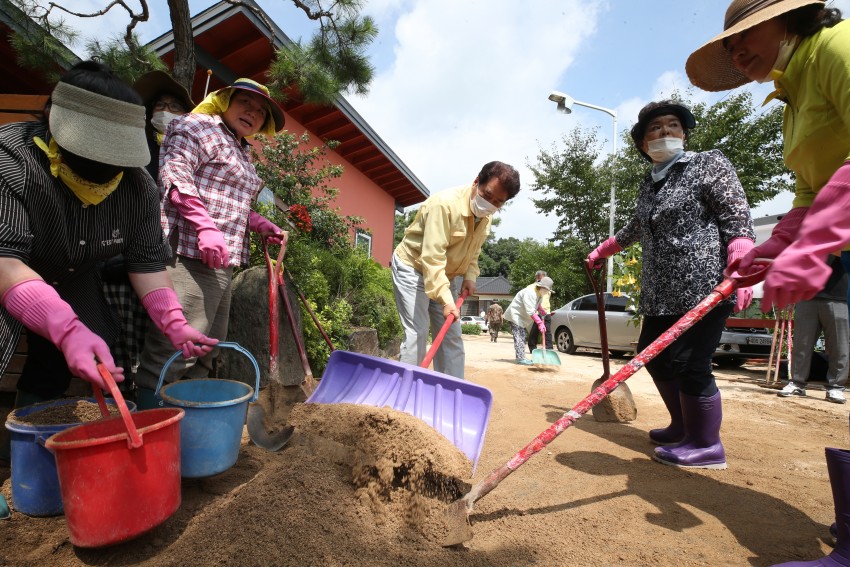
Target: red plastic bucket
(119, 477)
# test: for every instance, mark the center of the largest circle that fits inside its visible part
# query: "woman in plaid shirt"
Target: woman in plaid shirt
(207, 184)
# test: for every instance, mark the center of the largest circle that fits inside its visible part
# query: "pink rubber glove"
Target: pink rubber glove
(782, 236)
(608, 248)
(540, 324)
(165, 311)
(37, 305)
(737, 248)
(210, 239)
(801, 270)
(264, 227)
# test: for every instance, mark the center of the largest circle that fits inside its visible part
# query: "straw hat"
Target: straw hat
(154, 84)
(710, 67)
(97, 127)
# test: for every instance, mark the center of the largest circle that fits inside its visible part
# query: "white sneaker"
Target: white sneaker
(791, 389)
(836, 396)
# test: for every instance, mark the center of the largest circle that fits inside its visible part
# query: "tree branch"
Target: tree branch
(134, 19)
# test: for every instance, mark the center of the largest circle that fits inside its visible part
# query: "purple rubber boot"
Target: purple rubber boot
(701, 448)
(838, 465)
(675, 432)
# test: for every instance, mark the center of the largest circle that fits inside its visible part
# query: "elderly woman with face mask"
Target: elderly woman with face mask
(804, 48)
(73, 193)
(692, 220)
(443, 242)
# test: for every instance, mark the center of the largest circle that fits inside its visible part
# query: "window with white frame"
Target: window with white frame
(363, 240)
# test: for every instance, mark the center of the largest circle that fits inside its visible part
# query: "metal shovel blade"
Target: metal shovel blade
(275, 402)
(261, 436)
(457, 518)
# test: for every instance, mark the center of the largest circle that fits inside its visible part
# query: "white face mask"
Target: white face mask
(664, 149)
(783, 56)
(481, 207)
(160, 119)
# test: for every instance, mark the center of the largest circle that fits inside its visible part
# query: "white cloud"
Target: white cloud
(469, 84)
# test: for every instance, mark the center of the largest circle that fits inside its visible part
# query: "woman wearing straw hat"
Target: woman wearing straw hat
(804, 48)
(208, 183)
(692, 219)
(74, 192)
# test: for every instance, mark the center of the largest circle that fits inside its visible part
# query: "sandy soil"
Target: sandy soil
(592, 497)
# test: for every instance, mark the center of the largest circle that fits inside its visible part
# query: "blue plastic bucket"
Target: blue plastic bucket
(35, 482)
(211, 431)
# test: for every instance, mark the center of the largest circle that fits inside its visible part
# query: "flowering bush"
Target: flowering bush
(627, 268)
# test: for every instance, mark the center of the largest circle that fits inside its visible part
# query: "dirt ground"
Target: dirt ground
(592, 497)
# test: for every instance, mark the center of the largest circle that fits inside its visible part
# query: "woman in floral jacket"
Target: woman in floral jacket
(692, 220)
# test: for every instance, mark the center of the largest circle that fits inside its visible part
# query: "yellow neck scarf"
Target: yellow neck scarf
(88, 192)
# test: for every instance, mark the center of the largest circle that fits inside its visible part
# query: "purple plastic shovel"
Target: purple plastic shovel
(457, 409)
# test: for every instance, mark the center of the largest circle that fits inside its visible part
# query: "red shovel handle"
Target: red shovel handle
(134, 440)
(426, 362)
(722, 291)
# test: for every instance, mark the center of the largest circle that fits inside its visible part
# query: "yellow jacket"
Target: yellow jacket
(444, 242)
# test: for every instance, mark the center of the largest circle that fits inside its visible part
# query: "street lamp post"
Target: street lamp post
(565, 104)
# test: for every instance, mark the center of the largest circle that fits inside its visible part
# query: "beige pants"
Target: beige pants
(204, 294)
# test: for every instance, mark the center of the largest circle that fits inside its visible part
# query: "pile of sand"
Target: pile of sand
(355, 485)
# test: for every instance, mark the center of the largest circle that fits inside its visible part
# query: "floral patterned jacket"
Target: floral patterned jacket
(684, 224)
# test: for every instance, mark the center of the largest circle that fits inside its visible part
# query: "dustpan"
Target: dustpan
(544, 356)
(457, 409)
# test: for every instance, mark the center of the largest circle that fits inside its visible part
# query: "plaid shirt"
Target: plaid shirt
(202, 158)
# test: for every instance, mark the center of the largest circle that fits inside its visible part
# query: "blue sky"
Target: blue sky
(459, 84)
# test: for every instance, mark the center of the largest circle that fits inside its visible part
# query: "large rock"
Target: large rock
(249, 326)
(364, 340)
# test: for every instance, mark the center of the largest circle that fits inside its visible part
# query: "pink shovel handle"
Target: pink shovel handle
(429, 356)
(134, 439)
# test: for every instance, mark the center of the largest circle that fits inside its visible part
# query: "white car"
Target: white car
(576, 324)
(474, 320)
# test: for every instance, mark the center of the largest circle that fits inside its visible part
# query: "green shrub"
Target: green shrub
(470, 329)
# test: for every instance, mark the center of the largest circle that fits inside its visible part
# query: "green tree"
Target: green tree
(332, 61)
(498, 255)
(559, 262)
(573, 186)
(402, 221)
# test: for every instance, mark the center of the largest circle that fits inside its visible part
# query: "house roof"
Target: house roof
(232, 42)
(498, 285)
(488, 285)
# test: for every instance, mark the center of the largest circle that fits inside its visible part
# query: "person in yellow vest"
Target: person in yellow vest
(444, 242)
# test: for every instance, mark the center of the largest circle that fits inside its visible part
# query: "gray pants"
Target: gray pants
(417, 313)
(204, 294)
(809, 318)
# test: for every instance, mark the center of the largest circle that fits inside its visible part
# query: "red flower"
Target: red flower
(300, 217)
